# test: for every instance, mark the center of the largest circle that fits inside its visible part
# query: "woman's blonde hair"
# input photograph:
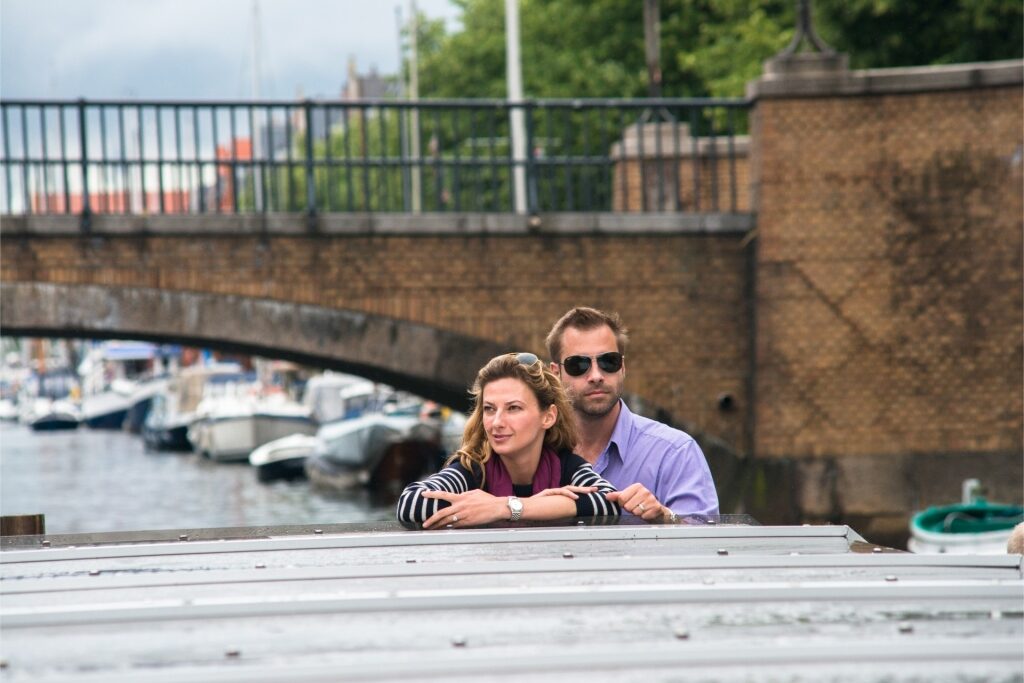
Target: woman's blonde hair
(547, 389)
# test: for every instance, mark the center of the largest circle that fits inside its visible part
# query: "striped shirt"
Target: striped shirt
(414, 509)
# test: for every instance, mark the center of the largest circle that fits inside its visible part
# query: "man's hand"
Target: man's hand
(471, 508)
(637, 500)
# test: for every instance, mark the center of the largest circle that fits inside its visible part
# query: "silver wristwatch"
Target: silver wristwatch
(516, 506)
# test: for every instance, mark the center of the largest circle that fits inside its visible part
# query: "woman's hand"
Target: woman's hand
(471, 508)
(567, 491)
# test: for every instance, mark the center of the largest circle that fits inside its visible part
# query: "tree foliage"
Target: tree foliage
(595, 48)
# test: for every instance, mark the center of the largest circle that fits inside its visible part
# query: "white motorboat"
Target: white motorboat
(229, 427)
(324, 398)
(350, 450)
(8, 410)
(173, 406)
(284, 458)
(141, 401)
(48, 415)
(108, 409)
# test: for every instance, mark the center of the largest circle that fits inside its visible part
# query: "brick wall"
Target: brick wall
(888, 295)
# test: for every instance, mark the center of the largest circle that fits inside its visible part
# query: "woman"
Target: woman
(517, 445)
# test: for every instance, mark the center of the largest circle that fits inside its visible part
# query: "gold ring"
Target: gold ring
(640, 507)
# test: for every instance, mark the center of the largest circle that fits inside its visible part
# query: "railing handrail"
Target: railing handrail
(327, 155)
(426, 103)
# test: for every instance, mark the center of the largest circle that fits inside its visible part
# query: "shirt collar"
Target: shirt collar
(620, 435)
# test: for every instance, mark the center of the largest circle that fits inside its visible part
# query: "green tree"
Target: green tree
(595, 48)
(887, 33)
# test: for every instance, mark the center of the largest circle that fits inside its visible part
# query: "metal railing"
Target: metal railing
(85, 157)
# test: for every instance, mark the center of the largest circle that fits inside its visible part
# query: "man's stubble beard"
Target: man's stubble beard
(595, 412)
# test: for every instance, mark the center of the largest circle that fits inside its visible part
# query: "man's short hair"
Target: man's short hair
(584, 319)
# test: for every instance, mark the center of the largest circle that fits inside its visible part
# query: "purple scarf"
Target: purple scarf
(548, 475)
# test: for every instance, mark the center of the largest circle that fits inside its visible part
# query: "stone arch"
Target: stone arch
(434, 363)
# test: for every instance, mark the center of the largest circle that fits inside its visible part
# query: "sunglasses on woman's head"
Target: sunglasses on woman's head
(525, 358)
(580, 365)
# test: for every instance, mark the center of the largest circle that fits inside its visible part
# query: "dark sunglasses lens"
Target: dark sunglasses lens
(610, 362)
(526, 358)
(576, 365)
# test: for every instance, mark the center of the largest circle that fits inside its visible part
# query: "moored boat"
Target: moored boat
(972, 526)
(48, 416)
(350, 450)
(173, 406)
(107, 410)
(283, 458)
(229, 427)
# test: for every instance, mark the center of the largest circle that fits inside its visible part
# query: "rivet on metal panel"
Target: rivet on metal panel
(712, 521)
(411, 561)
(448, 526)
(995, 614)
(233, 653)
(891, 577)
(183, 537)
(458, 641)
(794, 553)
(261, 565)
(906, 627)
(681, 634)
(318, 531)
(581, 523)
(94, 572)
(46, 544)
(876, 549)
(567, 555)
(723, 551)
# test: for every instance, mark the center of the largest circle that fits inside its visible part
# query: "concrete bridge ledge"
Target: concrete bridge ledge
(363, 224)
(800, 79)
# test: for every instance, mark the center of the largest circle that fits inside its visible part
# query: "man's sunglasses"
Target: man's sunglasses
(580, 365)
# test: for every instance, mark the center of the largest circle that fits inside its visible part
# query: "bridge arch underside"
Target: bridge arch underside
(434, 363)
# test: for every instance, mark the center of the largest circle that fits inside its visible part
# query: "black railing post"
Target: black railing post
(310, 182)
(83, 150)
(532, 208)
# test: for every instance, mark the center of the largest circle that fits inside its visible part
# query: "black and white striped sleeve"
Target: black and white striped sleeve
(594, 504)
(414, 509)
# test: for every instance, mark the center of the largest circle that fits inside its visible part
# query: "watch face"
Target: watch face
(515, 504)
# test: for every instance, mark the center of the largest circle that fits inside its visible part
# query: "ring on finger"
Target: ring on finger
(455, 518)
(641, 508)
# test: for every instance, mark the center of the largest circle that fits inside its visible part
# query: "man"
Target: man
(660, 471)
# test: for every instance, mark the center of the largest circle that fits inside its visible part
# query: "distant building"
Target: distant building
(114, 201)
(233, 175)
(371, 86)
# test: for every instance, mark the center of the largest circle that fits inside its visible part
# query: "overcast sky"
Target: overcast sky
(155, 49)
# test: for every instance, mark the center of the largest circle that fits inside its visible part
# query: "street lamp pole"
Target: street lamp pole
(514, 75)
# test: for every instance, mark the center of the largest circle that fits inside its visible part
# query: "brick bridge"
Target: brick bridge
(850, 358)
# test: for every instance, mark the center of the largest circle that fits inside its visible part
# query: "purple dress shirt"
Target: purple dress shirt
(665, 460)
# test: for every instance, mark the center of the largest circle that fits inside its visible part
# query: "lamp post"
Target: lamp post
(514, 76)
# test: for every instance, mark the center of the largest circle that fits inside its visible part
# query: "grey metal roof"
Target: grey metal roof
(721, 602)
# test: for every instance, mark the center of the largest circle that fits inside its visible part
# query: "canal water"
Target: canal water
(89, 481)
